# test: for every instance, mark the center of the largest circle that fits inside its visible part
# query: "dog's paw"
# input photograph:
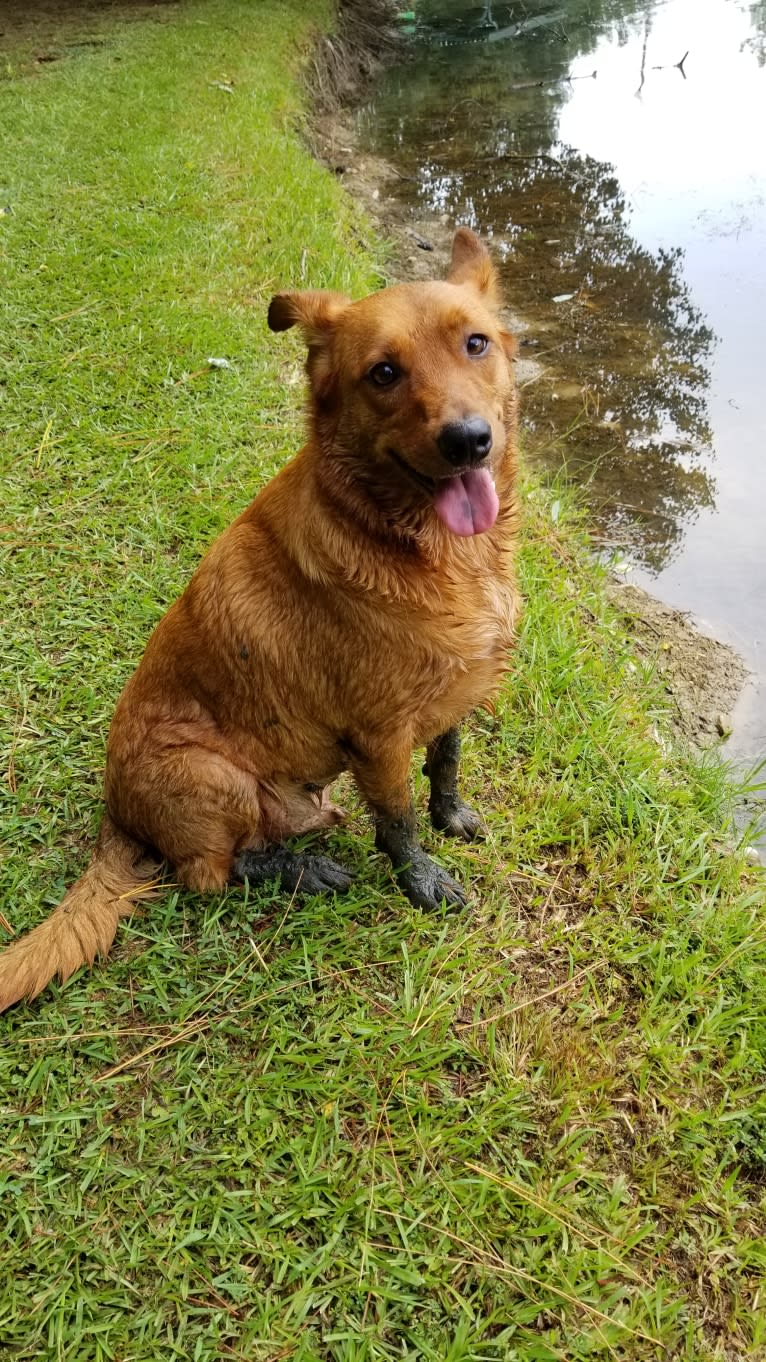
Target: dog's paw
(428, 886)
(318, 875)
(297, 872)
(456, 819)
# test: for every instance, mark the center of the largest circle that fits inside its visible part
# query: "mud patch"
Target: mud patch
(702, 677)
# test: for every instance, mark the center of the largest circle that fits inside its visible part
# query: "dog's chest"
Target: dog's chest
(477, 638)
(463, 653)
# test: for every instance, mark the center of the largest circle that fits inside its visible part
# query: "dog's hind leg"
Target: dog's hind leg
(295, 871)
(449, 813)
(215, 822)
(384, 782)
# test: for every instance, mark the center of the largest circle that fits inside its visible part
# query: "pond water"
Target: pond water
(615, 151)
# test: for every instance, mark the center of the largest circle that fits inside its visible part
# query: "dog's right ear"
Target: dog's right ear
(315, 311)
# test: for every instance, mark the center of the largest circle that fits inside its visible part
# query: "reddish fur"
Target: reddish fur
(336, 625)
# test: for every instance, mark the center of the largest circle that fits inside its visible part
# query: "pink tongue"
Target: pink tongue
(467, 503)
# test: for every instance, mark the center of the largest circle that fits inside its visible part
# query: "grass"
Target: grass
(345, 1129)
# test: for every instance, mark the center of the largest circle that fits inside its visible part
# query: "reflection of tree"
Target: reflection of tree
(632, 344)
(757, 42)
(631, 417)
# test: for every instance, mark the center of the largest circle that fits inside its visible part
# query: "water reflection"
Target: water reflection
(756, 41)
(631, 418)
(613, 317)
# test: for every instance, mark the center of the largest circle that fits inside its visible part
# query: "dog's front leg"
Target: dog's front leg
(384, 781)
(449, 813)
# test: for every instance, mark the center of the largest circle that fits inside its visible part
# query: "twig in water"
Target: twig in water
(674, 65)
(551, 80)
(532, 156)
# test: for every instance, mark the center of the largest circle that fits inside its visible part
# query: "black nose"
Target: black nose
(465, 442)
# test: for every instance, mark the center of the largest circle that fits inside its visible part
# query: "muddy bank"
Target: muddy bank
(702, 677)
(340, 65)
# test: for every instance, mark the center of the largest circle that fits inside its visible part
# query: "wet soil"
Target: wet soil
(702, 677)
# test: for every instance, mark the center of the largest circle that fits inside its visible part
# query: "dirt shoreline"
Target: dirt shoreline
(702, 677)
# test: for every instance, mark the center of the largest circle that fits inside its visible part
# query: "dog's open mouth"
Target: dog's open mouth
(467, 503)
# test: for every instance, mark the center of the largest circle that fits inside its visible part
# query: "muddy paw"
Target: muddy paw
(297, 872)
(428, 886)
(319, 875)
(456, 819)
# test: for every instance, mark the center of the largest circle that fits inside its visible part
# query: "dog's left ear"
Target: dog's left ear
(471, 263)
(315, 311)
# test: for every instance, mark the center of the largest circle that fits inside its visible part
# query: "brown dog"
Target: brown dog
(359, 608)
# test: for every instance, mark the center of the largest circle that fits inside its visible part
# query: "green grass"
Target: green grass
(346, 1129)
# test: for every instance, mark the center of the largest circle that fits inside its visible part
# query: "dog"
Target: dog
(361, 607)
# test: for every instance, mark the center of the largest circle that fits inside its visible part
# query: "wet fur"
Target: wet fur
(335, 626)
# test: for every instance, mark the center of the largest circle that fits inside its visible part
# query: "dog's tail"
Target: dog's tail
(85, 921)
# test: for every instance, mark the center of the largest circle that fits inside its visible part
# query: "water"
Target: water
(627, 204)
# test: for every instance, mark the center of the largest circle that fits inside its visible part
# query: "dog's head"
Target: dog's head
(412, 388)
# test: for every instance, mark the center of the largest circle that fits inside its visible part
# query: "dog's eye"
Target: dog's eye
(476, 345)
(383, 374)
